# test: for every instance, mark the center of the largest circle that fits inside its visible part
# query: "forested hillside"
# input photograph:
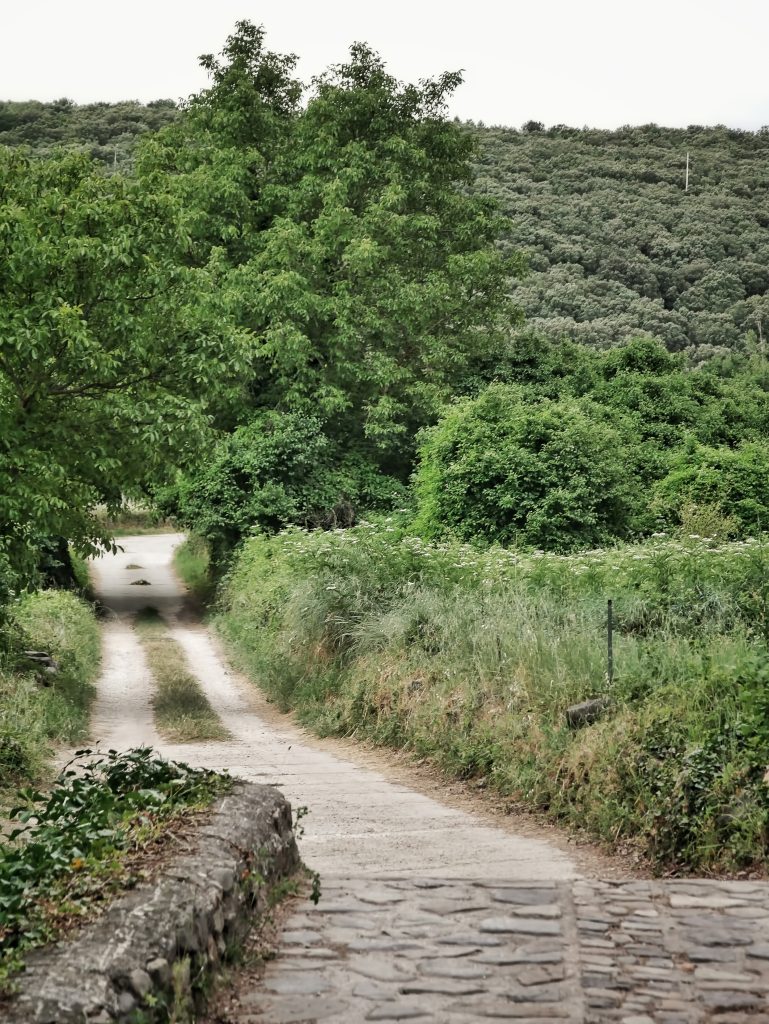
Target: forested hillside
(106, 131)
(615, 245)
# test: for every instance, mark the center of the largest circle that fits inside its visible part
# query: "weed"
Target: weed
(36, 712)
(69, 850)
(192, 562)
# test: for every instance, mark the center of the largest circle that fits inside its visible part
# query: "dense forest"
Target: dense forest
(615, 243)
(106, 131)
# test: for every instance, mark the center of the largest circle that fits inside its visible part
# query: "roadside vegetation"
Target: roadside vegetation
(182, 711)
(39, 709)
(472, 657)
(192, 562)
(132, 519)
(98, 831)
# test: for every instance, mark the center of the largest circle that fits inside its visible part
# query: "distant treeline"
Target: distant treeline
(616, 247)
(108, 131)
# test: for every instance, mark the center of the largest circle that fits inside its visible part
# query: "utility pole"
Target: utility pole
(686, 189)
(759, 323)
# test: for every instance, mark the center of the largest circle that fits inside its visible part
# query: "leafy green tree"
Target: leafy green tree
(365, 270)
(379, 282)
(112, 350)
(549, 474)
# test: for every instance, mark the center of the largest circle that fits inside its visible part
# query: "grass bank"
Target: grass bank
(38, 709)
(471, 657)
(182, 711)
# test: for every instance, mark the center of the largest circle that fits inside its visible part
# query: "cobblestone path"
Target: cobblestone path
(641, 952)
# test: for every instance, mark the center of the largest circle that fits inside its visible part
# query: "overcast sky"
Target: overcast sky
(596, 62)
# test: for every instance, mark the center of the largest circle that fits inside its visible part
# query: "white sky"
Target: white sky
(596, 62)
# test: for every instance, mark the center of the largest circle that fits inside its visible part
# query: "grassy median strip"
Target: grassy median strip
(182, 711)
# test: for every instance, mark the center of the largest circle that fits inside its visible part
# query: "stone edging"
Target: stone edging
(166, 936)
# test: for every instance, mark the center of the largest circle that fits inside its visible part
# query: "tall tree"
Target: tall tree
(112, 349)
(366, 271)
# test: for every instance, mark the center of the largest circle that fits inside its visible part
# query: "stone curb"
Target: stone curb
(158, 942)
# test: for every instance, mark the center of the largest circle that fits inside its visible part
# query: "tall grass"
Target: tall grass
(472, 657)
(39, 710)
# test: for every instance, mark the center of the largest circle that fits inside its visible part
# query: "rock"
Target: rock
(722, 1001)
(159, 970)
(525, 925)
(140, 982)
(136, 948)
(43, 660)
(125, 1003)
(588, 711)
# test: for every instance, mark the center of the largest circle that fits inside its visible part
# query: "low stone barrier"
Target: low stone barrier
(152, 949)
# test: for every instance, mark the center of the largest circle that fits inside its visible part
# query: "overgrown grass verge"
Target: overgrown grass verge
(471, 657)
(36, 708)
(182, 711)
(192, 562)
(97, 832)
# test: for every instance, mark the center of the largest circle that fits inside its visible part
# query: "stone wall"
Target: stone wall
(154, 946)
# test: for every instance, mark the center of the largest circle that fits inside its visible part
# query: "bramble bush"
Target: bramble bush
(504, 469)
(733, 480)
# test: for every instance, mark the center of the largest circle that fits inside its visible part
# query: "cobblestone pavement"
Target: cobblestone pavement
(640, 952)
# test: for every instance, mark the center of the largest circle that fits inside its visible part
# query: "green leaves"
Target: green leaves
(100, 804)
(113, 350)
(546, 474)
(366, 273)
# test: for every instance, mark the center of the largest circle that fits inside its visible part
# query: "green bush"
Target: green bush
(503, 469)
(277, 470)
(733, 480)
(472, 656)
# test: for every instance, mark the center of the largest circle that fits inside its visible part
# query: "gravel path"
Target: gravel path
(429, 912)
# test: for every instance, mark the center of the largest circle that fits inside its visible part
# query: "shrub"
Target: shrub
(550, 474)
(734, 481)
(279, 469)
